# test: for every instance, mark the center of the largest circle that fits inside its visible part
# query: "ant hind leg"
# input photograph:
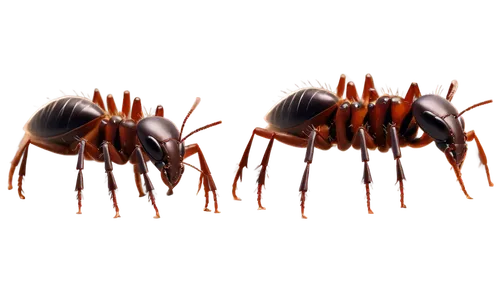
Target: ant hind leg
(262, 175)
(21, 152)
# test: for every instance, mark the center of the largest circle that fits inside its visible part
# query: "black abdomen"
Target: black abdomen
(300, 106)
(62, 116)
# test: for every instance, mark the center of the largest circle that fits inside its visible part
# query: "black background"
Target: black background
(239, 92)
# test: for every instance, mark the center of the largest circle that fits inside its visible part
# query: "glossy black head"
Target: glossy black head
(159, 138)
(438, 118)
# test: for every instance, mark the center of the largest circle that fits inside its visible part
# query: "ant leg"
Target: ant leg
(413, 92)
(22, 173)
(243, 164)
(97, 99)
(136, 110)
(159, 111)
(483, 158)
(138, 181)
(258, 131)
(262, 175)
(351, 93)
(79, 178)
(110, 102)
(199, 175)
(108, 166)
(126, 104)
(367, 95)
(143, 170)
(341, 86)
(396, 151)
(367, 178)
(305, 178)
(422, 141)
(20, 152)
(453, 164)
(208, 181)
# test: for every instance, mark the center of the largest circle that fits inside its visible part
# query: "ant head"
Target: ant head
(159, 139)
(440, 120)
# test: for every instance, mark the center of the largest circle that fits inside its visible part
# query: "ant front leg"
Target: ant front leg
(367, 178)
(482, 157)
(208, 181)
(143, 170)
(79, 178)
(396, 151)
(108, 166)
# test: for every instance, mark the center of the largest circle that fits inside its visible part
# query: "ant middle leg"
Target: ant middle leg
(108, 166)
(359, 138)
(396, 151)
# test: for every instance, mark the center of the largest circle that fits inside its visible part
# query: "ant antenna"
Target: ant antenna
(474, 106)
(196, 103)
(202, 128)
(193, 167)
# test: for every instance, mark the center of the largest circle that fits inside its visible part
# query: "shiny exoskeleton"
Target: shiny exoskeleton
(317, 117)
(74, 125)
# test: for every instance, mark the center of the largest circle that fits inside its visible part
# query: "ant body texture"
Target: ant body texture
(315, 115)
(96, 129)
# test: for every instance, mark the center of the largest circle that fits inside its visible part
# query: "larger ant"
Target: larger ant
(316, 117)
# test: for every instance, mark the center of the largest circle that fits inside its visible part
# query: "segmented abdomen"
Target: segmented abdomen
(300, 106)
(63, 115)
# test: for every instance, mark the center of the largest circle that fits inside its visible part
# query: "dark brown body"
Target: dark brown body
(318, 118)
(75, 125)
(60, 125)
(337, 120)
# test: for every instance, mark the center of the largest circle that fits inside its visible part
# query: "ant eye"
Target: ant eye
(153, 148)
(434, 126)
